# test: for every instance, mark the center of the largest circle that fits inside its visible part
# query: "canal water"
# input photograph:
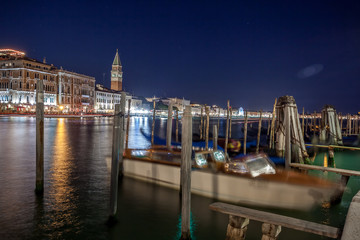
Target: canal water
(77, 181)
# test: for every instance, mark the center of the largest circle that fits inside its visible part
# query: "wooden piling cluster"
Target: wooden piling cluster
(39, 185)
(289, 131)
(330, 131)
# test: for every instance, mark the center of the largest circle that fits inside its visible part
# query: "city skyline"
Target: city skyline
(208, 52)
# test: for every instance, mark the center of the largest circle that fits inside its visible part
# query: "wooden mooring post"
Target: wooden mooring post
(259, 133)
(128, 123)
(169, 127)
(153, 123)
(215, 137)
(230, 123)
(39, 186)
(177, 126)
(218, 123)
(245, 131)
(207, 111)
(117, 155)
(186, 149)
(201, 124)
(227, 130)
(272, 140)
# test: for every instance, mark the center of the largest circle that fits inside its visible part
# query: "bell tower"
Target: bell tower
(116, 73)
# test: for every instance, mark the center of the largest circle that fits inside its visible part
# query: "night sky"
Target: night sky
(207, 51)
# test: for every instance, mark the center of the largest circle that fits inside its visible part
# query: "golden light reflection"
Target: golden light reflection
(62, 192)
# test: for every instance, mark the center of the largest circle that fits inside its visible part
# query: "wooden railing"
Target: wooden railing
(239, 218)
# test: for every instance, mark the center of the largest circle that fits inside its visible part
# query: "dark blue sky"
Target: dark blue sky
(207, 51)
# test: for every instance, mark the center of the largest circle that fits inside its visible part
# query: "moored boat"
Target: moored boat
(252, 180)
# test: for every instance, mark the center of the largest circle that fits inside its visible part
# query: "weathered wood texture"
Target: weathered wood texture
(186, 148)
(270, 231)
(39, 185)
(237, 227)
(276, 219)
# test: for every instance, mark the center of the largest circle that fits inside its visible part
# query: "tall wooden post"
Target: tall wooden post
(245, 131)
(215, 137)
(272, 132)
(128, 124)
(186, 146)
(259, 133)
(169, 127)
(303, 123)
(287, 137)
(153, 124)
(39, 187)
(201, 124)
(218, 123)
(177, 126)
(207, 110)
(230, 123)
(227, 129)
(115, 162)
(122, 131)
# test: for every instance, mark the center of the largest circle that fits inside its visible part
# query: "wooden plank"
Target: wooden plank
(332, 146)
(276, 219)
(344, 172)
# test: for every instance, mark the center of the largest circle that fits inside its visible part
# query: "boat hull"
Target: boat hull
(231, 188)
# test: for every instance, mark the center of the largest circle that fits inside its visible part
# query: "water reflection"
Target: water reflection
(62, 194)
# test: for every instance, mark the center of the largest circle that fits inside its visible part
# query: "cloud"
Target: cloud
(310, 71)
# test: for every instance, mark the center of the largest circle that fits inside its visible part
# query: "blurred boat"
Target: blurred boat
(250, 180)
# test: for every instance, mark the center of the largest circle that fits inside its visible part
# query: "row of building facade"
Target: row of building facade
(64, 90)
(70, 92)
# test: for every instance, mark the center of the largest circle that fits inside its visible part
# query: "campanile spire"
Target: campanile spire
(116, 73)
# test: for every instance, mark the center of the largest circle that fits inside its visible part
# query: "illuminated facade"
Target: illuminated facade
(107, 98)
(18, 77)
(76, 92)
(116, 73)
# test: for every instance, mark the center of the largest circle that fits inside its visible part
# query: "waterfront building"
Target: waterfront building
(105, 99)
(76, 92)
(116, 73)
(71, 91)
(18, 76)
